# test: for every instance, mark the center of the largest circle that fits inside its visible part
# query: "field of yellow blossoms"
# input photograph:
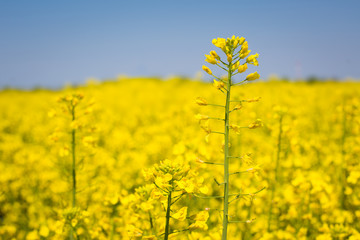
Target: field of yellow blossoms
(297, 174)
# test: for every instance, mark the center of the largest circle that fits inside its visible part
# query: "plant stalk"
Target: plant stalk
(73, 146)
(226, 159)
(167, 224)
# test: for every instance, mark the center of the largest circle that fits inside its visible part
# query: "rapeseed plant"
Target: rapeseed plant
(75, 124)
(279, 114)
(171, 181)
(235, 50)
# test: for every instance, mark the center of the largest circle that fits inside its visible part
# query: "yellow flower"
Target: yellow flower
(229, 57)
(218, 85)
(181, 214)
(32, 235)
(156, 194)
(252, 59)
(200, 221)
(244, 52)
(256, 124)
(237, 107)
(253, 76)
(241, 40)
(253, 169)
(202, 216)
(353, 177)
(44, 231)
(215, 55)
(206, 69)
(163, 181)
(211, 59)
(204, 189)
(201, 101)
(146, 206)
(242, 68)
(187, 185)
(253, 99)
(235, 65)
(236, 128)
(198, 225)
(114, 199)
(89, 141)
(219, 42)
(74, 222)
(201, 117)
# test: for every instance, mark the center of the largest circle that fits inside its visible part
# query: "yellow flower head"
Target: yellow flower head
(244, 52)
(218, 85)
(252, 59)
(201, 101)
(258, 123)
(215, 55)
(211, 59)
(219, 42)
(181, 214)
(242, 68)
(201, 117)
(244, 47)
(253, 76)
(241, 40)
(235, 65)
(229, 57)
(206, 69)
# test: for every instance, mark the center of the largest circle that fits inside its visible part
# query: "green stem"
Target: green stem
(276, 173)
(112, 228)
(73, 145)
(167, 223)
(226, 158)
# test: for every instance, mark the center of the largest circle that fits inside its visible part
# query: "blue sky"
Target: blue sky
(50, 43)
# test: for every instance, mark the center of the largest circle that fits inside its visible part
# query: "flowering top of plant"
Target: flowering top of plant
(235, 49)
(174, 175)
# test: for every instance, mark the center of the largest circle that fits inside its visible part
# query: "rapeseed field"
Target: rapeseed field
(144, 158)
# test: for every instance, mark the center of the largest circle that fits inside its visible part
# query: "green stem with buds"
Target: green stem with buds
(167, 222)
(226, 158)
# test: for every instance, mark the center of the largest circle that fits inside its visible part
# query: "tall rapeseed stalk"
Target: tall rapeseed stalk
(235, 49)
(77, 132)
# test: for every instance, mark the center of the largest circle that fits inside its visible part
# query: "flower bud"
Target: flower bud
(218, 84)
(253, 76)
(258, 123)
(242, 68)
(206, 69)
(252, 59)
(229, 58)
(201, 101)
(201, 117)
(215, 55)
(210, 59)
(241, 40)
